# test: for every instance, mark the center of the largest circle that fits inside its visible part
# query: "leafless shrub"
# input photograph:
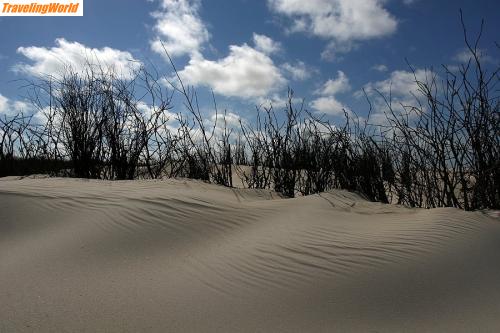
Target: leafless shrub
(442, 151)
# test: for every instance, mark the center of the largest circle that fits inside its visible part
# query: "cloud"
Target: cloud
(9, 107)
(328, 105)
(334, 50)
(401, 87)
(148, 110)
(465, 55)
(218, 123)
(246, 72)
(328, 102)
(278, 101)
(380, 68)
(335, 86)
(180, 27)
(266, 44)
(399, 84)
(298, 71)
(340, 21)
(55, 60)
(4, 102)
(231, 119)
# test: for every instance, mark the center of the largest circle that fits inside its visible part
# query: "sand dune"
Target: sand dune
(182, 255)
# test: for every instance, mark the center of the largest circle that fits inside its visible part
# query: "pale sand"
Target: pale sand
(182, 256)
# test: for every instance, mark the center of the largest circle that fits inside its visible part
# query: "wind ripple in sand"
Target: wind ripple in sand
(187, 256)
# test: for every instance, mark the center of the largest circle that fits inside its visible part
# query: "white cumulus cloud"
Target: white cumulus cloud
(399, 89)
(10, 107)
(334, 86)
(298, 71)
(465, 55)
(4, 102)
(55, 60)
(399, 84)
(342, 22)
(179, 26)
(245, 72)
(328, 103)
(265, 44)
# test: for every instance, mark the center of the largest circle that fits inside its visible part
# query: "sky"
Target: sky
(250, 52)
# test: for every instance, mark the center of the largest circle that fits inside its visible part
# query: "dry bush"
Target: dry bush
(443, 151)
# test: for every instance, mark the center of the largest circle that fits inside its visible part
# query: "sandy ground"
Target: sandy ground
(183, 256)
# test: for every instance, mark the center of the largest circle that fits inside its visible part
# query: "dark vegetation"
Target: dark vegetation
(443, 151)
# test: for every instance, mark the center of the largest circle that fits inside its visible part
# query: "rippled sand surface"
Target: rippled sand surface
(185, 256)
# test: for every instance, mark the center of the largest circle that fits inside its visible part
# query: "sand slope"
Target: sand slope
(186, 256)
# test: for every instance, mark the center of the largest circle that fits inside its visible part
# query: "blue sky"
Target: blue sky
(249, 52)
